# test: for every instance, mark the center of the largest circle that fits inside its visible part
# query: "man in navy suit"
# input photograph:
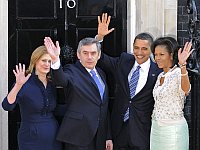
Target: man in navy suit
(131, 116)
(85, 125)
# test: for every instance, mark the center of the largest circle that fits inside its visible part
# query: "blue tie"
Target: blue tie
(132, 86)
(98, 83)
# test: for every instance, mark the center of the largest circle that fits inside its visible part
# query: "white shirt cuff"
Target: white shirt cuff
(56, 65)
(96, 38)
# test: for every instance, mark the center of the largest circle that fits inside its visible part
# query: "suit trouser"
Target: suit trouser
(91, 146)
(123, 140)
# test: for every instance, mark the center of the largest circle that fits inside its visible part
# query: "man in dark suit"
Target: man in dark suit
(133, 104)
(86, 123)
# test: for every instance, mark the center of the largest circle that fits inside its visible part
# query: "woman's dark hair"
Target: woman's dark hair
(171, 45)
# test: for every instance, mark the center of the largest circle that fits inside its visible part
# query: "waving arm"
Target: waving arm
(53, 50)
(20, 80)
(182, 57)
(103, 26)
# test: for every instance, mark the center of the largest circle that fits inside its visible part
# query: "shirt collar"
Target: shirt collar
(144, 66)
(90, 70)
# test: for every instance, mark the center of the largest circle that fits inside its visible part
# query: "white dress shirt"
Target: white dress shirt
(144, 71)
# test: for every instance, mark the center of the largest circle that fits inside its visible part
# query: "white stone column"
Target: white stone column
(144, 16)
(4, 72)
(131, 24)
(170, 21)
(158, 17)
(152, 17)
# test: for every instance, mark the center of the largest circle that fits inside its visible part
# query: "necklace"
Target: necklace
(163, 75)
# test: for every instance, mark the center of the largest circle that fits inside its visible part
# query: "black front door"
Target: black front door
(67, 21)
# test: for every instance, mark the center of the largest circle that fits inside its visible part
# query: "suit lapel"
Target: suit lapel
(152, 76)
(87, 74)
(125, 72)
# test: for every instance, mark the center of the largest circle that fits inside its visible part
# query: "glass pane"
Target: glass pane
(87, 32)
(95, 7)
(34, 8)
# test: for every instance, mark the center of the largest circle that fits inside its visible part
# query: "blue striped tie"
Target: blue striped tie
(98, 83)
(132, 86)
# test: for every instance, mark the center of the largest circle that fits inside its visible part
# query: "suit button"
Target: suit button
(101, 107)
(130, 102)
(98, 119)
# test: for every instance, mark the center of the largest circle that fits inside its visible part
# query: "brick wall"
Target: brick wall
(183, 19)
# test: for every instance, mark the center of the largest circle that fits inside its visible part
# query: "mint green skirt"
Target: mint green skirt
(174, 137)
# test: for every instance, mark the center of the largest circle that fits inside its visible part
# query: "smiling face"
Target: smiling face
(163, 58)
(89, 55)
(141, 50)
(42, 66)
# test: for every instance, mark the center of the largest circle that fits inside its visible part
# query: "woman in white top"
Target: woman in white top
(169, 129)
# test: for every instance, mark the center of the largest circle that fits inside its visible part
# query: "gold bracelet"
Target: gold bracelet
(182, 67)
(184, 74)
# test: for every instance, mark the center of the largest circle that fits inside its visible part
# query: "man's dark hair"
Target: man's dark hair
(88, 41)
(144, 36)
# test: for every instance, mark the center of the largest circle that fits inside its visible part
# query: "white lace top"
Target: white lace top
(169, 99)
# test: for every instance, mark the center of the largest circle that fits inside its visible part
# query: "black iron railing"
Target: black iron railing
(194, 74)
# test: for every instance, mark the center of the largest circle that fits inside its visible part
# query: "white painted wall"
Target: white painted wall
(4, 72)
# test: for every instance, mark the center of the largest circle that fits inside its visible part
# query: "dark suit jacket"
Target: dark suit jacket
(140, 106)
(86, 114)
